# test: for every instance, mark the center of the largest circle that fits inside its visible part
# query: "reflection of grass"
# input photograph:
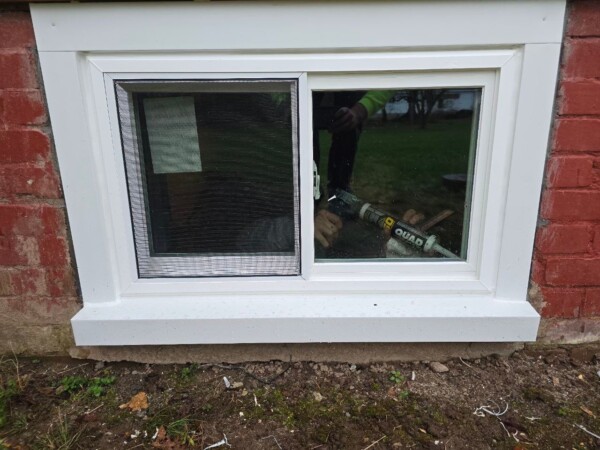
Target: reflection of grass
(396, 160)
(400, 166)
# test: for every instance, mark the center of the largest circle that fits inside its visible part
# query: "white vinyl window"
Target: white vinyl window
(234, 178)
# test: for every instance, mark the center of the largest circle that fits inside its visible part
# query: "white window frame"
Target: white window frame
(509, 49)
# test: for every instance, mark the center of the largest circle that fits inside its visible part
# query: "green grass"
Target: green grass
(96, 387)
(396, 159)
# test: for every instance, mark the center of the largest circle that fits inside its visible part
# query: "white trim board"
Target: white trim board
(509, 49)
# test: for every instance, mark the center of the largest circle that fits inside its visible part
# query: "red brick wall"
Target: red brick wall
(566, 264)
(37, 281)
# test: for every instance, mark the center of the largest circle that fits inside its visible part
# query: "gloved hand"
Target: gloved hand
(347, 119)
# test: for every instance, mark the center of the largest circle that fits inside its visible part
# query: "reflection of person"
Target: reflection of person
(352, 108)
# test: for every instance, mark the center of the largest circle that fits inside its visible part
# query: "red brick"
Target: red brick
(571, 205)
(591, 304)
(16, 30)
(582, 58)
(36, 181)
(22, 220)
(564, 239)
(18, 251)
(570, 171)
(538, 270)
(580, 97)
(573, 271)
(577, 135)
(596, 243)
(563, 303)
(584, 18)
(17, 71)
(24, 108)
(18, 146)
(61, 282)
(53, 251)
(53, 220)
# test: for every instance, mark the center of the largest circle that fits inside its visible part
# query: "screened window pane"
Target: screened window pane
(396, 172)
(212, 175)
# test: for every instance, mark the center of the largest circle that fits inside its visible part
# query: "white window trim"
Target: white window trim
(83, 47)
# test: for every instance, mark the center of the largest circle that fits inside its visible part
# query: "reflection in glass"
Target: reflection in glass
(213, 168)
(394, 163)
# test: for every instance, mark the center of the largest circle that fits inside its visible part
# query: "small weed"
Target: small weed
(180, 429)
(396, 377)
(188, 371)
(96, 386)
(402, 395)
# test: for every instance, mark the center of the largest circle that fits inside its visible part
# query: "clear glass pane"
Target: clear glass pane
(217, 168)
(396, 170)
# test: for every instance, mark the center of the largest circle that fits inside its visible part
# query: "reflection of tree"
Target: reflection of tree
(420, 104)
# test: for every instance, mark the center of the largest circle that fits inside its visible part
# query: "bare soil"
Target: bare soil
(537, 398)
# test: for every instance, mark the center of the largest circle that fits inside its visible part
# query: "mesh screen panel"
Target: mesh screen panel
(212, 173)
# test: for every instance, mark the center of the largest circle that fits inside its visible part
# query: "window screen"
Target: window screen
(212, 173)
(396, 172)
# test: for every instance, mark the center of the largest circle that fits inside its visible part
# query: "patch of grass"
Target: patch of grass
(187, 372)
(60, 436)
(180, 429)
(10, 386)
(96, 387)
(8, 390)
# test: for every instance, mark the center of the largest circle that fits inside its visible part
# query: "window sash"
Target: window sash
(214, 264)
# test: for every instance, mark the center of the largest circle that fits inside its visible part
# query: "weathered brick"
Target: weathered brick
(582, 58)
(30, 281)
(577, 135)
(580, 97)
(53, 251)
(596, 242)
(591, 304)
(29, 180)
(21, 220)
(6, 286)
(35, 310)
(61, 282)
(573, 271)
(53, 220)
(571, 205)
(16, 30)
(18, 251)
(23, 107)
(20, 146)
(538, 270)
(570, 171)
(564, 239)
(584, 18)
(563, 303)
(17, 70)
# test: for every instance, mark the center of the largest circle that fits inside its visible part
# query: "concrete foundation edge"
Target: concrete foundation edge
(57, 340)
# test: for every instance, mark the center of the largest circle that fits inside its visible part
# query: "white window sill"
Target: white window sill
(286, 319)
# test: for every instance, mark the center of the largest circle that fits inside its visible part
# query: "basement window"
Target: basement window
(231, 177)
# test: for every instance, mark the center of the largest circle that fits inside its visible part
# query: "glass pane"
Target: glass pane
(216, 163)
(396, 170)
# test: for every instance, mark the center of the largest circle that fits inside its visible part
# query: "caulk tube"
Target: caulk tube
(402, 231)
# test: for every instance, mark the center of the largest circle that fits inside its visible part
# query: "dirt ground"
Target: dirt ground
(536, 398)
